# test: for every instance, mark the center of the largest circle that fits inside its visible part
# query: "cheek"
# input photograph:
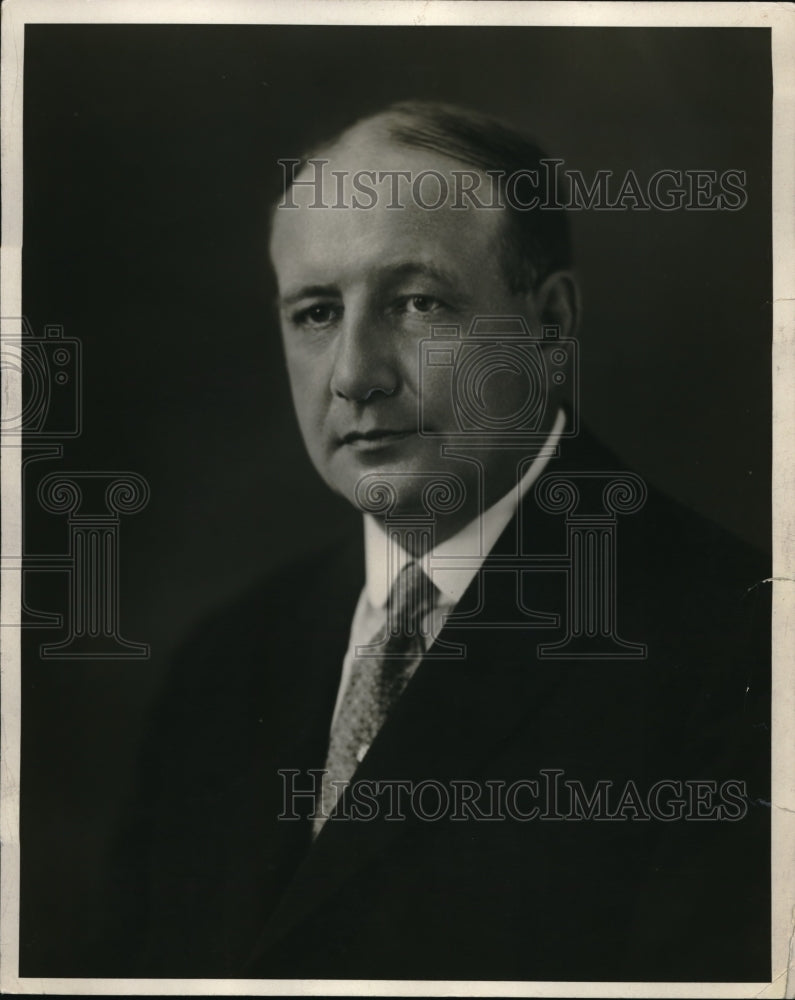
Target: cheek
(309, 400)
(307, 379)
(436, 399)
(480, 390)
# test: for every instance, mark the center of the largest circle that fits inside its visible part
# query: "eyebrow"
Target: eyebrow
(306, 292)
(393, 271)
(410, 268)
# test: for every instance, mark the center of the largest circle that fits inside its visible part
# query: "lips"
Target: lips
(375, 438)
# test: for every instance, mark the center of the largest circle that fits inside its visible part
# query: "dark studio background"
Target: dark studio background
(150, 156)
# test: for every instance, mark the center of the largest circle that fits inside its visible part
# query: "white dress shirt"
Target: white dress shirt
(471, 545)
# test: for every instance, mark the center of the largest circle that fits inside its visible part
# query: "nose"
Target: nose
(365, 363)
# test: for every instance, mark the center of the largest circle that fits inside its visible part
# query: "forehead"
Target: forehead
(338, 241)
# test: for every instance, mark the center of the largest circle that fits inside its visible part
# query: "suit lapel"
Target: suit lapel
(281, 723)
(449, 721)
(455, 712)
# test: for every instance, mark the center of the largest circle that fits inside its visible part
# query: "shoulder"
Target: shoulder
(696, 595)
(677, 540)
(257, 623)
(243, 663)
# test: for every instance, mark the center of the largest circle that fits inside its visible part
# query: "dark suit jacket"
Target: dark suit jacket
(225, 888)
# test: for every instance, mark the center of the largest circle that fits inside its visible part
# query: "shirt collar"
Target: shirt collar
(471, 544)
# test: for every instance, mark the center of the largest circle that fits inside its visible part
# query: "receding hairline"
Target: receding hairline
(388, 129)
(406, 122)
(535, 244)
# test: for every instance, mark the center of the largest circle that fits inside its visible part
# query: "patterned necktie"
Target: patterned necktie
(377, 679)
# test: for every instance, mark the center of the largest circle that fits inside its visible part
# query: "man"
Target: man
(520, 736)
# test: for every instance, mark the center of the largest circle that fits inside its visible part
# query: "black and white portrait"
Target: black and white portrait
(390, 491)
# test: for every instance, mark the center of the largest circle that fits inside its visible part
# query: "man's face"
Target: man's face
(359, 289)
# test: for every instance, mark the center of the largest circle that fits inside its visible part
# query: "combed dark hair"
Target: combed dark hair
(536, 242)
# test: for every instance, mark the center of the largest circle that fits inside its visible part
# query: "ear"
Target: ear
(556, 302)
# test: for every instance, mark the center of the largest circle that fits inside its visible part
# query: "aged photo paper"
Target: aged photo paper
(397, 498)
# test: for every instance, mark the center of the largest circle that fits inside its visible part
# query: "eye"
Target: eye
(318, 315)
(422, 304)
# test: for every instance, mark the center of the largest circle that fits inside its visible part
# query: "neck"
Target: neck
(418, 530)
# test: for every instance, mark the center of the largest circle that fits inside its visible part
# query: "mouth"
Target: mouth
(371, 440)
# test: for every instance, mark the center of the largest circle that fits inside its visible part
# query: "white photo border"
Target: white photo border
(780, 18)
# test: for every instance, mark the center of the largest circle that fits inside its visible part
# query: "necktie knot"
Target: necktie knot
(410, 599)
